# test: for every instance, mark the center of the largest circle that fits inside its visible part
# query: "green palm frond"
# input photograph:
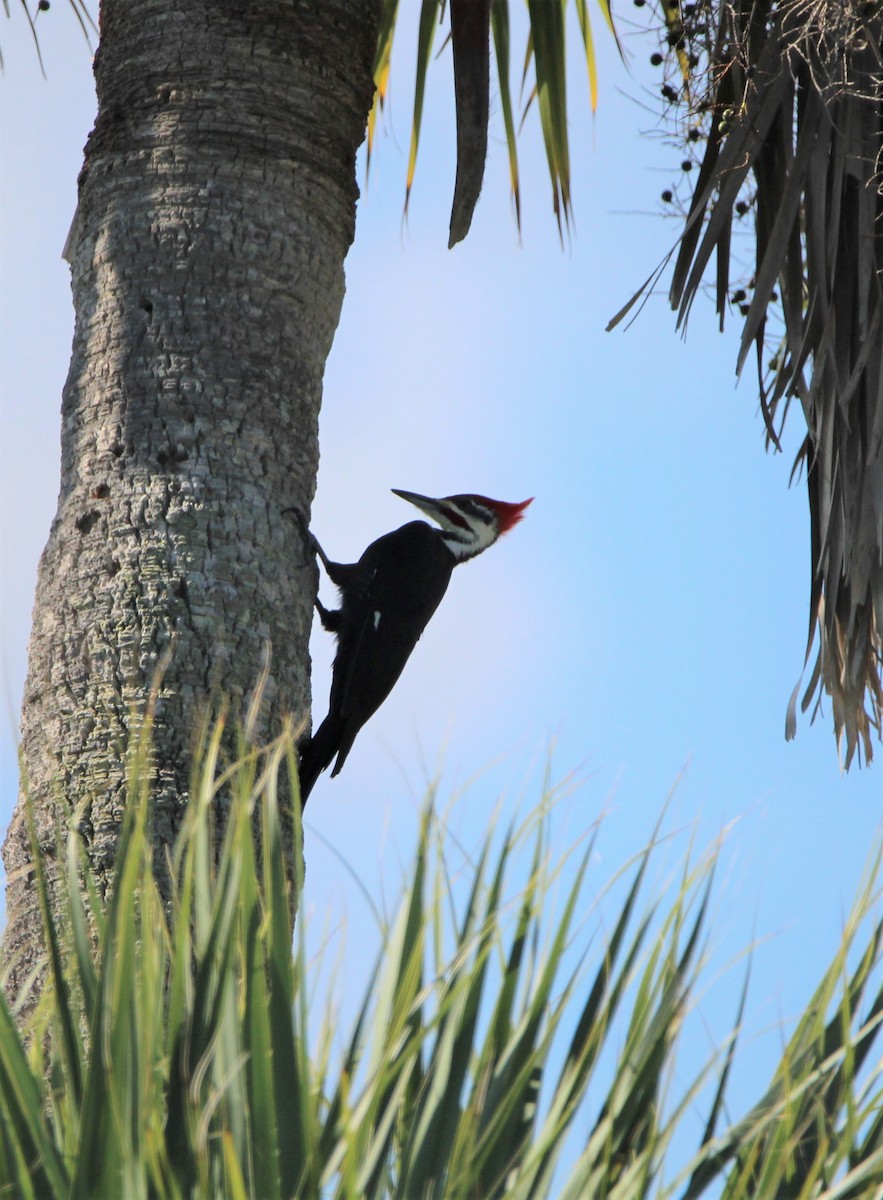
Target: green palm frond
(505, 1045)
(430, 15)
(818, 1108)
(546, 52)
(547, 44)
(502, 42)
(382, 60)
(543, 81)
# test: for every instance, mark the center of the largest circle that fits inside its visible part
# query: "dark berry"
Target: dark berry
(667, 196)
(687, 165)
(656, 59)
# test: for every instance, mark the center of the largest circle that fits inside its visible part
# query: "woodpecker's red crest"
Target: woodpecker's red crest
(470, 522)
(507, 514)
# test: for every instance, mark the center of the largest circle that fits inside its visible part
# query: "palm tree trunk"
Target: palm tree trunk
(216, 206)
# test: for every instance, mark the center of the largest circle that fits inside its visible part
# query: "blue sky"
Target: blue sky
(647, 620)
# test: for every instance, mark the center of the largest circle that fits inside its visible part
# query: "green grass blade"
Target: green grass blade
(257, 1038)
(382, 59)
(430, 11)
(103, 1141)
(69, 1040)
(435, 1119)
(501, 35)
(288, 1081)
(82, 943)
(29, 1152)
(547, 36)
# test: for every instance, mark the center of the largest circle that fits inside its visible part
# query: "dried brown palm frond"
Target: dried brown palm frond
(792, 94)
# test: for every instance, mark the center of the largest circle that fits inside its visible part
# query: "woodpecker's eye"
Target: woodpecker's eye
(470, 506)
(451, 514)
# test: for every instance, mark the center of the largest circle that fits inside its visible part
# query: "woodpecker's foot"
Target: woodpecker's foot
(316, 549)
(311, 546)
(338, 573)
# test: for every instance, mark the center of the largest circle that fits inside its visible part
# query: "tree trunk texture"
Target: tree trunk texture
(216, 206)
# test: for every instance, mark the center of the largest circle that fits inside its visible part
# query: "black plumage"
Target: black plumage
(387, 598)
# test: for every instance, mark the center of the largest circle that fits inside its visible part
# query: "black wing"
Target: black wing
(405, 575)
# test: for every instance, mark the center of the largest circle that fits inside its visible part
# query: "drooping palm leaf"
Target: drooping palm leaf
(545, 52)
(547, 41)
(382, 58)
(430, 12)
(793, 112)
(501, 35)
(470, 40)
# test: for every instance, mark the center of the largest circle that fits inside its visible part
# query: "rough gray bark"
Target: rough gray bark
(216, 206)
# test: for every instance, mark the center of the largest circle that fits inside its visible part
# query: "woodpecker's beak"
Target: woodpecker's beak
(426, 504)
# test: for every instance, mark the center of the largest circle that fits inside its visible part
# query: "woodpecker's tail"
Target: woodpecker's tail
(318, 752)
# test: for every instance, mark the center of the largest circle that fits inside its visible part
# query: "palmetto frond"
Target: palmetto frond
(806, 85)
(792, 100)
(543, 80)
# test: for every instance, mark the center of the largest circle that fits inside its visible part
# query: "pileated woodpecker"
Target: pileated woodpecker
(387, 598)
